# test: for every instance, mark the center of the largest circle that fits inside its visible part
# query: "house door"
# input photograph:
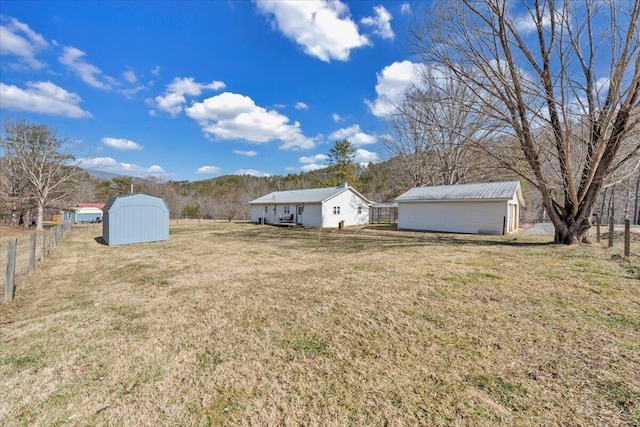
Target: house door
(299, 210)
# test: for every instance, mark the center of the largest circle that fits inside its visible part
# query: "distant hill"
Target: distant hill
(96, 174)
(102, 176)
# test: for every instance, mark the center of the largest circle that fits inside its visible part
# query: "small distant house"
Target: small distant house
(135, 218)
(83, 213)
(316, 207)
(481, 208)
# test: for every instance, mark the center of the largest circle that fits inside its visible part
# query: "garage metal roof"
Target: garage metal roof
(476, 191)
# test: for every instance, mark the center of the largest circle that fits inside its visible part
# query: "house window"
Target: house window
(336, 210)
(286, 209)
(299, 210)
(266, 209)
(359, 210)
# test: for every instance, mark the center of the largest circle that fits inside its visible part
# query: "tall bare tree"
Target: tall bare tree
(561, 78)
(434, 128)
(44, 160)
(14, 187)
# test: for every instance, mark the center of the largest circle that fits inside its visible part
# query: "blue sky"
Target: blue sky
(197, 89)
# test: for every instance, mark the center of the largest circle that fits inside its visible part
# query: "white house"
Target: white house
(316, 207)
(481, 208)
(83, 212)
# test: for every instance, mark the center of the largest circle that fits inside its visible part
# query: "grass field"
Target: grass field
(236, 324)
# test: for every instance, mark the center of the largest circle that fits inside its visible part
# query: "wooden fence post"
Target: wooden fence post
(598, 229)
(611, 231)
(627, 238)
(10, 288)
(32, 253)
(42, 246)
(50, 241)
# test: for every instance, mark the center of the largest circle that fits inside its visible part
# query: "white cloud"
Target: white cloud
(174, 97)
(90, 74)
(251, 172)
(393, 81)
(130, 76)
(108, 164)
(365, 157)
(121, 144)
(526, 23)
(207, 170)
(301, 106)
(128, 93)
(405, 9)
(323, 28)
(16, 38)
(354, 135)
(249, 153)
(312, 163)
(381, 23)
(601, 86)
(42, 97)
(312, 167)
(336, 118)
(233, 116)
(314, 159)
(155, 70)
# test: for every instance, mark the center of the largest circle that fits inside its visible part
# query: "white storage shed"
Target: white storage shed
(480, 208)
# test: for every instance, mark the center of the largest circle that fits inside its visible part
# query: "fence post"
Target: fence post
(627, 238)
(611, 231)
(50, 241)
(598, 229)
(10, 288)
(32, 253)
(42, 246)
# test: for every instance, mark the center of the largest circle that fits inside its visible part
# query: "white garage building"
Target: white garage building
(481, 208)
(315, 207)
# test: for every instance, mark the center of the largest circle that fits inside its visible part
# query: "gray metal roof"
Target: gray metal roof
(477, 191)
(148, 198)
(386, 205)
(313, 195)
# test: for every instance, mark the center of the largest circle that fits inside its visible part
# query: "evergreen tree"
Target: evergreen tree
(341, 159)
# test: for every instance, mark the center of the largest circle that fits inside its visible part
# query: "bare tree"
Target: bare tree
(434, 128)
(43, 159)
(562, 78)
(14, 187)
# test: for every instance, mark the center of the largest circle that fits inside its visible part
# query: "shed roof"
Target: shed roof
(312, 195)
(90, 205)
(477, 191)
(112, 200)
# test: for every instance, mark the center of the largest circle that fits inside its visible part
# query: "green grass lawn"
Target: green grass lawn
(237, 324)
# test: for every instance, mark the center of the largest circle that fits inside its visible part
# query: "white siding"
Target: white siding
(348, 203)
(457, 217)
(257, 212)
(312, 215)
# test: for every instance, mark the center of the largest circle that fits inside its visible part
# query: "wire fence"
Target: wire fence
(20, 257)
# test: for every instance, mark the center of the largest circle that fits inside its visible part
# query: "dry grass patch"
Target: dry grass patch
(235, 324)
